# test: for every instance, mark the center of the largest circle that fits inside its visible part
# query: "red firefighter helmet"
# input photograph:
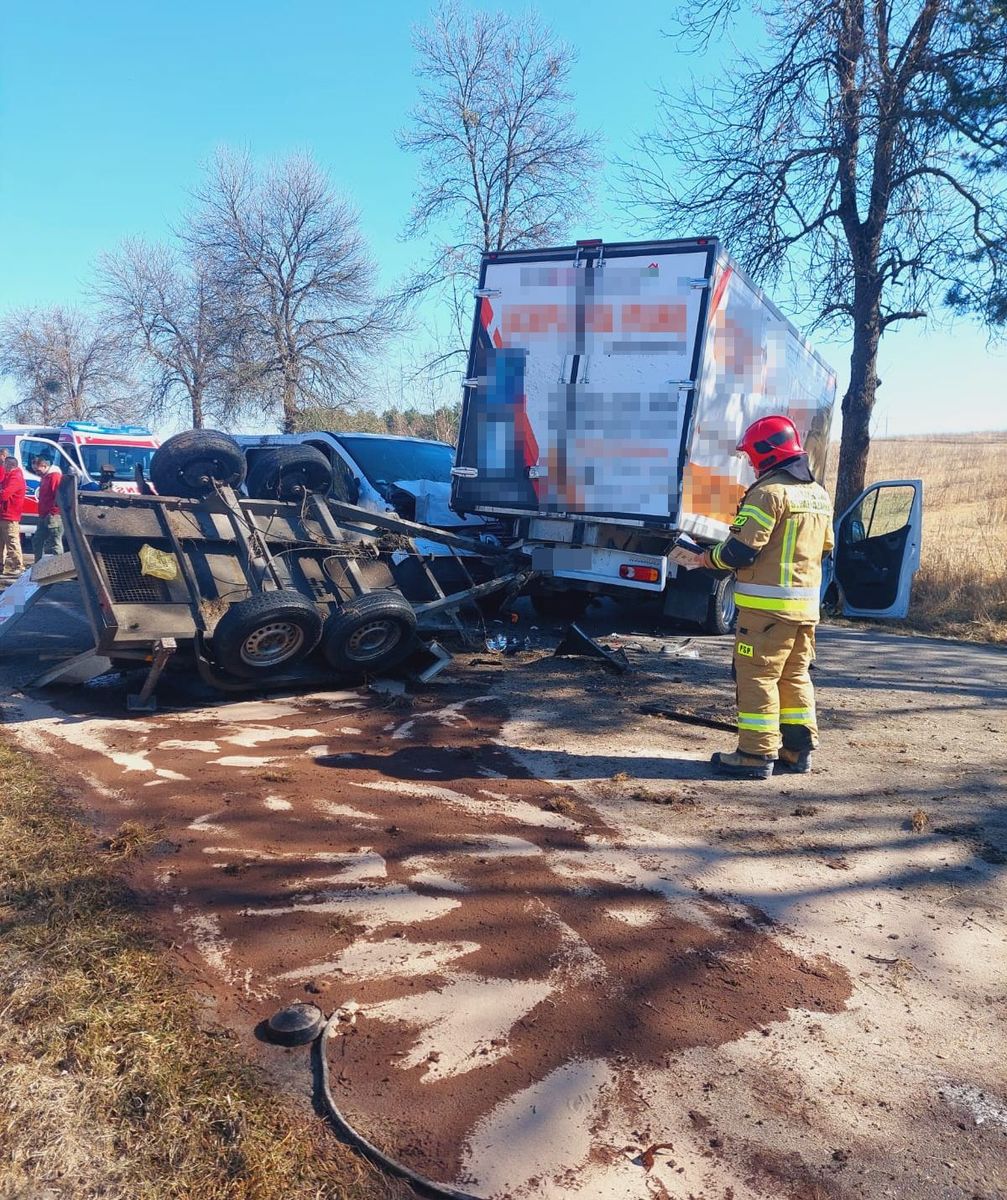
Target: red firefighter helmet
(770, 441)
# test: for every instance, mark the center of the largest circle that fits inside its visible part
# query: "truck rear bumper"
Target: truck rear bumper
(609, 568)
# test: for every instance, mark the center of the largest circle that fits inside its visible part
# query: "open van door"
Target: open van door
(878, 549)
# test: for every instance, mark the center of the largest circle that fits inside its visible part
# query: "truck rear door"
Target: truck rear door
(877, 552)
(579, 381)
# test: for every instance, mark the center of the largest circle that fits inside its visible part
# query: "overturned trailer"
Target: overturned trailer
(261, 592)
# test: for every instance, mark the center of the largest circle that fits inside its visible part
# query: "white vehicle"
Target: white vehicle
(100, 456)
(408, 476)
(606, 391)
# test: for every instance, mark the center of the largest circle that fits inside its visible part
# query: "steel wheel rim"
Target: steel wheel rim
(201, 471)
(271, 644)
(373, 640)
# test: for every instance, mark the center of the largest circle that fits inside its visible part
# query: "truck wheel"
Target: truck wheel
(191, 463)
(266, 631)
(288, 473)
(369, 633)
(722, 610)
(566, 605)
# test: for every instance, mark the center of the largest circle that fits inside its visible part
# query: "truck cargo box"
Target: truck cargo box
(610, 383)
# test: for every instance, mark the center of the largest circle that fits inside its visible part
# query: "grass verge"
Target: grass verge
(960, 590)
(112, 1084)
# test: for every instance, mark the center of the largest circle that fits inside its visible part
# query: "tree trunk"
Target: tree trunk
(196, 398)
(858, 403)
(289, 404)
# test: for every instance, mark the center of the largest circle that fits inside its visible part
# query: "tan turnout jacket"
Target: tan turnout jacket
(789, 524)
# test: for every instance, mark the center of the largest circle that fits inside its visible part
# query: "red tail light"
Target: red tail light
(639, 574)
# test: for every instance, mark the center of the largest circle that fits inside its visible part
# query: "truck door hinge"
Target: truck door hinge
(486, 293)
(698, 283)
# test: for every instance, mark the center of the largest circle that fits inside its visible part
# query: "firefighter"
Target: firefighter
(782, 530)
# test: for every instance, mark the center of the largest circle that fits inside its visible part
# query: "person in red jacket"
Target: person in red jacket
(12, 492)
(48, 537)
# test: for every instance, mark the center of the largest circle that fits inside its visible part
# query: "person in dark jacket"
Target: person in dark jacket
(48, 537)
(12, 493)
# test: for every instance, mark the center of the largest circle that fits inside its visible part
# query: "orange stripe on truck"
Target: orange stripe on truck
(535, 318)
(653, 318)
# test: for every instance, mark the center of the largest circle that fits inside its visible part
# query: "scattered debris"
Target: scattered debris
(919, 821)
(687, 718)
(387, 687)
(295, 1025)
(578, 644)
(559, 804)
(648, 1156)
(132, 839)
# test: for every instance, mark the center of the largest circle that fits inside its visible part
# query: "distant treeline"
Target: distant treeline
(441, 424)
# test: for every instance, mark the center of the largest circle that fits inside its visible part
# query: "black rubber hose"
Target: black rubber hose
(424, 1186)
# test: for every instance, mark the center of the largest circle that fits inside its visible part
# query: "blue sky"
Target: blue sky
(108, 109)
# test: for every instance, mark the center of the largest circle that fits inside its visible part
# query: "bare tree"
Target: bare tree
(859, 157)
(66, 367)
(502, 163)
(292, 257)
(175, 315)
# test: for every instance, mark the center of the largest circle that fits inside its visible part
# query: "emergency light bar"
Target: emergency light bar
(91, 427)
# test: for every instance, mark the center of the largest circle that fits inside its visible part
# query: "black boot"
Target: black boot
(742, 766)
(793, 762)
(795, 756)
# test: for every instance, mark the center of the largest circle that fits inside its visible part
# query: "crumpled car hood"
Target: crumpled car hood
(433, 503)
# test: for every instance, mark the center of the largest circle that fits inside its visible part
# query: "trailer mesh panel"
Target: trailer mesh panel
(126, 583)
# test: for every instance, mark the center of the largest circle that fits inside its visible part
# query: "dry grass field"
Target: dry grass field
(961, 588)
(115, 1083)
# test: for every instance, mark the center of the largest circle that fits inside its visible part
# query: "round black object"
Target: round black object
(288, 473)
(370, 633)
(722, 609)
(557, 605)
(266, 631)
(295, 1025)
(191, 463)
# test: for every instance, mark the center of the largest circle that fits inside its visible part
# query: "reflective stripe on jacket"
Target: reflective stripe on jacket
(787, 523)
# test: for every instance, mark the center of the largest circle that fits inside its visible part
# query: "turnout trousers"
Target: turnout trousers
(776, 699)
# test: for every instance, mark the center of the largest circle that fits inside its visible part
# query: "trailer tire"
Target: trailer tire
(369, 633)
(289, 473)
(722, 610)
(192, 463)
(265, 631)
(556, 605)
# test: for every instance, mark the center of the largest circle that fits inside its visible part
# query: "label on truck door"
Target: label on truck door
(579, 382)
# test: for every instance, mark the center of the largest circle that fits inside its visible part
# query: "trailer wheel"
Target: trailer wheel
(556, 605)
(266, 631)
(288, 473)
(191, 463)
(722, 611)
(369, 633)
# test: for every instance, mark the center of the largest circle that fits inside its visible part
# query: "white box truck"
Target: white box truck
(606, 390)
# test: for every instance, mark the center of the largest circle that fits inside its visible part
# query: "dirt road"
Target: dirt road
(557, 945)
